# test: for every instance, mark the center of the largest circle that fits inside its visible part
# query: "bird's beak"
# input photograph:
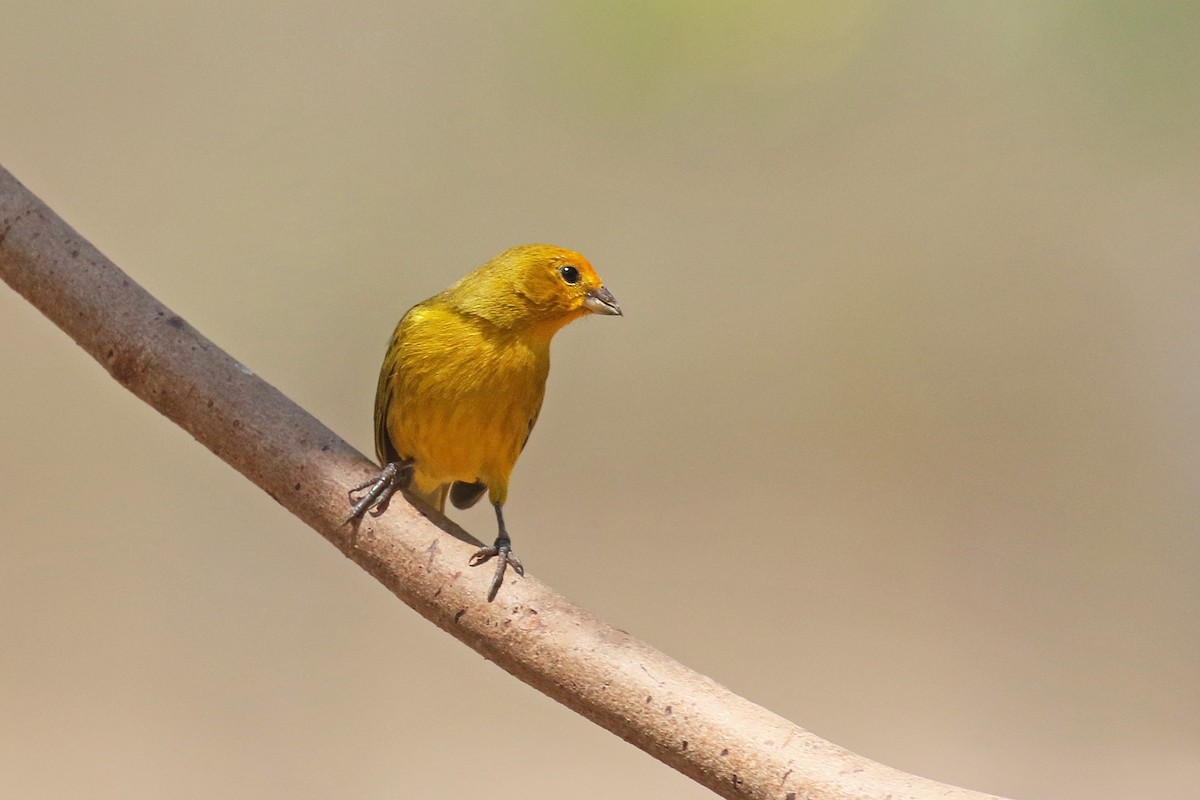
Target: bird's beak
(601, 301)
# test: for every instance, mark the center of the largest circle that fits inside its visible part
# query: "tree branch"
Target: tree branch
(684, 719)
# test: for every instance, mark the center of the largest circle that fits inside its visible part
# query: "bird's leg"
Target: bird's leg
(502, 551)
(395, 475)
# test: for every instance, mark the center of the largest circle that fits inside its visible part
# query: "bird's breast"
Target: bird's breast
(464, 413)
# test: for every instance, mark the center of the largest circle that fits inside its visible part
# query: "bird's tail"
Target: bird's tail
(436, 497)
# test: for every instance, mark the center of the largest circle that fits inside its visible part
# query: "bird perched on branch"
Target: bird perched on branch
(463, 379)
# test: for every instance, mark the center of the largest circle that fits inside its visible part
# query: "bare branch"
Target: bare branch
(732, 746)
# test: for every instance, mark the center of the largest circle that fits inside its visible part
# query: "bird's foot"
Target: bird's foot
(393, 477)
(501, 550)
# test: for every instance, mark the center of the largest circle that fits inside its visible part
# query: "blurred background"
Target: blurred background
(899, 436)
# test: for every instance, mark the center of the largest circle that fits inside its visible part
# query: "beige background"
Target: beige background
(898, 436)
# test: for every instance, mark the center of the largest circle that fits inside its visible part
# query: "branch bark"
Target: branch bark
(684, 719)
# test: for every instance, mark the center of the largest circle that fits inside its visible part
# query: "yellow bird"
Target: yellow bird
(463, 379)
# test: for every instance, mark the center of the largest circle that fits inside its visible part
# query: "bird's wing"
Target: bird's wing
(385, 394)
(533, 415)
(385, 451)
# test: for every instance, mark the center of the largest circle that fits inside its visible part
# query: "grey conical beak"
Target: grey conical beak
(601, 301)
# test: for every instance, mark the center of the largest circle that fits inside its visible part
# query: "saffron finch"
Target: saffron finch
(463, 379)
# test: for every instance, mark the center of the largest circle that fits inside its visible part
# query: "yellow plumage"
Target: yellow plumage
(464, 375)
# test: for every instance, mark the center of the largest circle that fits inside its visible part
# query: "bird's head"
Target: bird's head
(542, 286)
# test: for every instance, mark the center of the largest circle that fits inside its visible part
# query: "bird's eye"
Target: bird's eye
(569, 274)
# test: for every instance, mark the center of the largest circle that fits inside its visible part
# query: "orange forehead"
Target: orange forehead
(563, 256)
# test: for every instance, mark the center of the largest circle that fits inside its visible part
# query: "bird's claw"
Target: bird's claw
(502, 551)
(392, 478)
